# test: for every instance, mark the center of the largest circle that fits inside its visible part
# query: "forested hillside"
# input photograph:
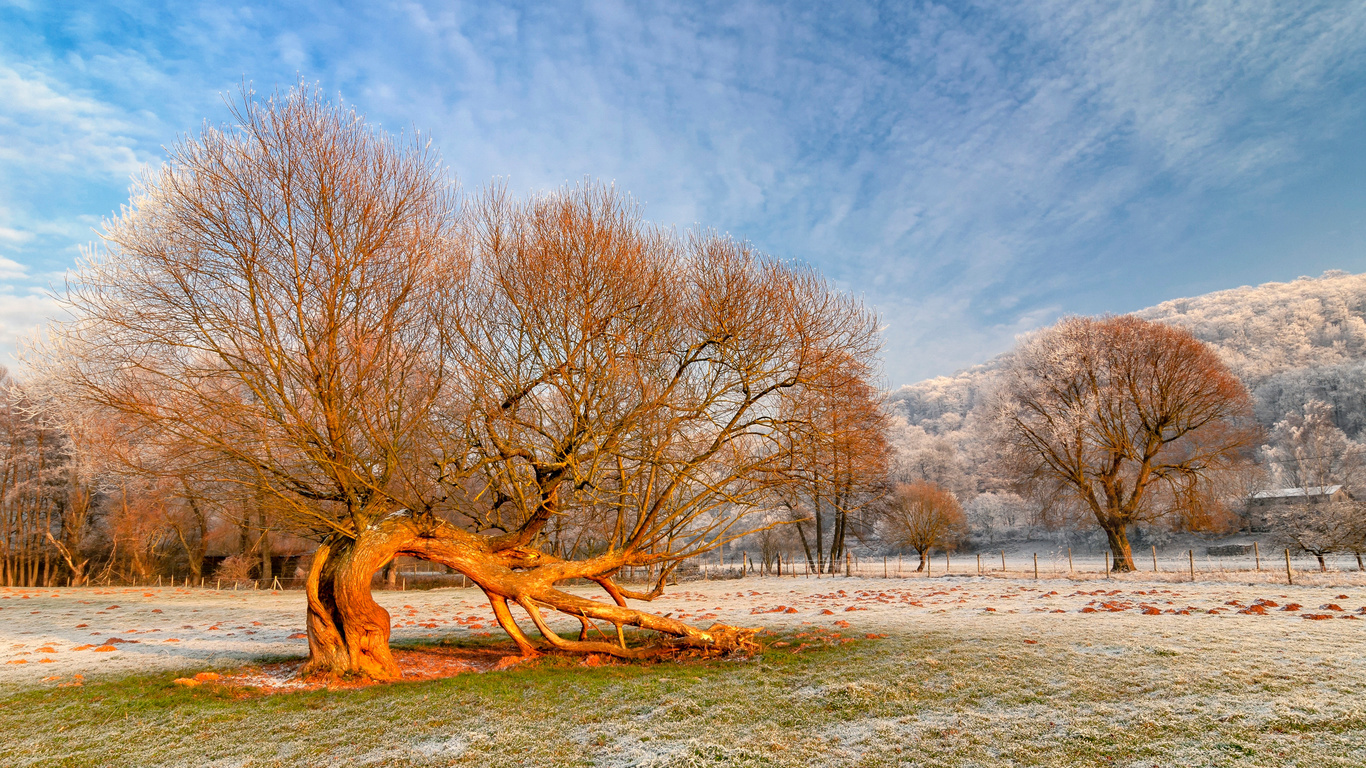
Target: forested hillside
(1289, 342)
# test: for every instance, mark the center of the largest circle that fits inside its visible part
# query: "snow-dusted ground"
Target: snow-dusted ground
(50, 635)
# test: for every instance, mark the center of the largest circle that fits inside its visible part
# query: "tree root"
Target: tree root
(348, 632)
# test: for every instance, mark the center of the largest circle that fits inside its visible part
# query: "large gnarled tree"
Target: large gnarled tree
(476, 383)
(1123, 420)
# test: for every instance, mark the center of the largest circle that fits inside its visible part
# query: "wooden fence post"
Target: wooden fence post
(948, 566)
(847, 560)
(1036, 565)
(1191, 552)
(1069, 561)
(979, 563)
(1154, 558)
(1288, 578)
(1003, 561)
(1257, 553)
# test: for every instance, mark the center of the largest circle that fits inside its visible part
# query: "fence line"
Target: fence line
(1055, 563)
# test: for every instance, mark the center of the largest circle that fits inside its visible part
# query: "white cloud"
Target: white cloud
(964, 167)
(14, 236)
(22, 312)
(49, 127)
(11, 269)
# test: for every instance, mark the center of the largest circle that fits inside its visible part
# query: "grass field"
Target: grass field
(946, 686)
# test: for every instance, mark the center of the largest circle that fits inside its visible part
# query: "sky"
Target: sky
(972, 170)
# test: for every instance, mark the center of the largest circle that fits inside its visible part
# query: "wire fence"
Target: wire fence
(1254, 564)
(1214, 564)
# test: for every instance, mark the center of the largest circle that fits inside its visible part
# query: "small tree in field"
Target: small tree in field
(1123, 420)
(525, 391)
(922, 516)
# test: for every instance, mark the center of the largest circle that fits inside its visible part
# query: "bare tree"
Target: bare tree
(1123, 420)
(309, 302)
(1308, 455)
(29, 456)
(922, 516)
(839, 470)
(643, 387)
(266, 300)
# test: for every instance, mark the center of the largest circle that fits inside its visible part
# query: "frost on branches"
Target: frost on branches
(1318, 472)
(1122, 420)
(528, 391)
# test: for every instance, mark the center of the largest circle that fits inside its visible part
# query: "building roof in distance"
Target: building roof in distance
(1288, 493)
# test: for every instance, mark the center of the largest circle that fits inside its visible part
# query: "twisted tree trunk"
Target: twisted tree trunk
(348, 632)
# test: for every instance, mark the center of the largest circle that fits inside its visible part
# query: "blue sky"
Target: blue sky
(973, 170)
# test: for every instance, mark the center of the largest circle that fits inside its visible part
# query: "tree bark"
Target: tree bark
(263, 543)
(837, 536)
(77, 567)
(348, 632)
(806, 547)
(1122, 554)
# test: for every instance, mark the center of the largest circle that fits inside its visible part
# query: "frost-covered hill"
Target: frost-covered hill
(1289, 342)
(1270, 329)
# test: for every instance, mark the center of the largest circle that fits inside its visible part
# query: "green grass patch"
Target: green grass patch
(944, 698)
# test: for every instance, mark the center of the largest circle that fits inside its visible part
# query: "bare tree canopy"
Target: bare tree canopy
(526, 391)
(1124, 420)
(1309, 454)
(921, 515)
(839, 470)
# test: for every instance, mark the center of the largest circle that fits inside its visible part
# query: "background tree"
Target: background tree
(922, 516)
(1310, 454)
(31, 456)
(1122, 419)
(839, 469)
(308, 302)
(1000, 515)
(1308, 450)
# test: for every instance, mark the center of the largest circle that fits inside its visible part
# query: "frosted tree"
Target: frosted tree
(923, 516)
(529, 392)
(1309, 454)
(1122, 420)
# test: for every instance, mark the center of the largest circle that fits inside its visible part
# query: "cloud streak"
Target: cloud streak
(973, 169)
